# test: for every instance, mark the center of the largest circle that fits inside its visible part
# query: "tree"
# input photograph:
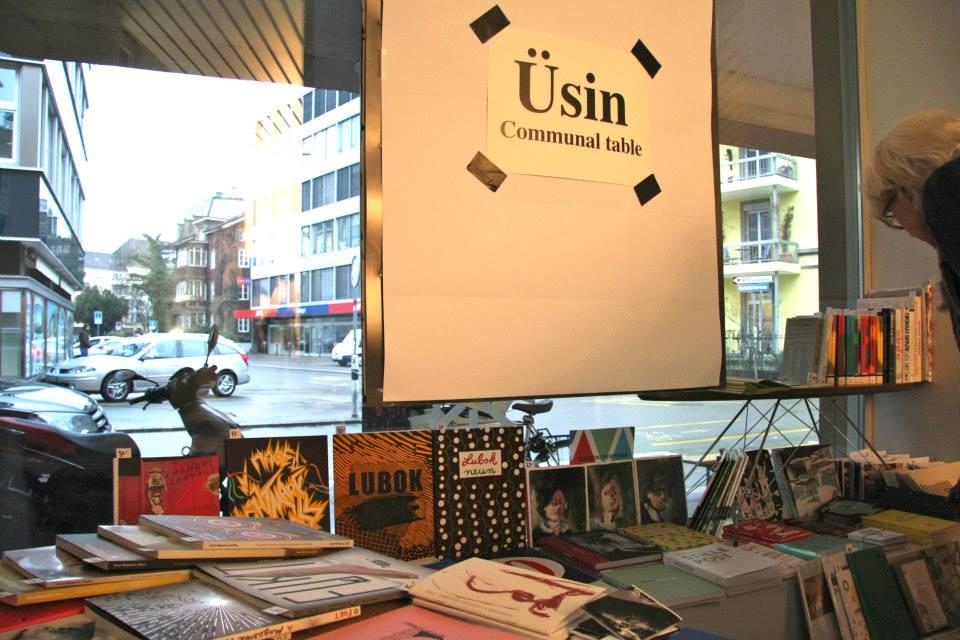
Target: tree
(92, 299)
(158, 283)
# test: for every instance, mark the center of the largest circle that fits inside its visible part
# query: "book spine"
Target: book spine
(573, 553)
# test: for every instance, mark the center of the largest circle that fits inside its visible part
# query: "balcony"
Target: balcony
(753, 356)
(757, 176)
(760, 256)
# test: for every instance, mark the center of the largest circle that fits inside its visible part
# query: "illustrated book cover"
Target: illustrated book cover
(883, 606)
(52, 567)
(850, 621)
(383, 491)
(154, 544)
(817, 602)
(920, 595)
(297, 587)
(668, 536)
(943, 561)
(477, 590)
(807, 477)
(182, 485)
(196, 611)
(612, 498)
(556, 501)
(226, 532)
(415, 622)
(479, 491)
(284, 477)
(759, 494)
(672, 586)
(725, 565)
(601, 445)
(105, 555)
(631, 613)
(661, 490)
(599, 550)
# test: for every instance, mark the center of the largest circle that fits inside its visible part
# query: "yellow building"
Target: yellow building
(770, 253)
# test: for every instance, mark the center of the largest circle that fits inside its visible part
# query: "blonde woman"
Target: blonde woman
(913, 184)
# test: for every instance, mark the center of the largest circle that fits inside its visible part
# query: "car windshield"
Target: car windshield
(124, 348)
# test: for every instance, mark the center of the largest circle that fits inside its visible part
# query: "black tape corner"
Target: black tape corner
(647, 189)
(490, 23)
(484, 170)
(646, 58)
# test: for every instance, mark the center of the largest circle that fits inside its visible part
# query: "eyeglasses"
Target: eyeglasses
(887, 216)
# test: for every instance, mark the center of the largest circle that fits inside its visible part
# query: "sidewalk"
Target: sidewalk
(309, 363)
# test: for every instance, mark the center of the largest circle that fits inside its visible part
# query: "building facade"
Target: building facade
(212, 271)
(42, 161)
(770, 253)
(305, 235)
(119, 272)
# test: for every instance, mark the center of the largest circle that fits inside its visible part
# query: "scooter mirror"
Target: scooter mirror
(126, 375)
(211, 342)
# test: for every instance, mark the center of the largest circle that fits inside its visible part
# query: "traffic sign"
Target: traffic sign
(98, 317)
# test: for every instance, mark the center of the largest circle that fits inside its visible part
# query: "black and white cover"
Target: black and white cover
(479, 491)
(296, 587)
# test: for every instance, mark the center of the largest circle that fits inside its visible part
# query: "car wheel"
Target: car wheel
(114, 390)
(226, 384)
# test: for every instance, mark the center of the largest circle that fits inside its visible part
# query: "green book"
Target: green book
(671, 586)
(819, 544)
(883, 607)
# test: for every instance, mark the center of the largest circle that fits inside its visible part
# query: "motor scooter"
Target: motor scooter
(208, 426)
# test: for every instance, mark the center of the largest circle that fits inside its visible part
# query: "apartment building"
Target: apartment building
(42, 160)
(770, 253)
(305, 233)
(211, 268)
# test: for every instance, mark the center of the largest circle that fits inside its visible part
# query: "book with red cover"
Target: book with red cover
(14, 618)
(595, 551)
(180, 485)
(764, 532)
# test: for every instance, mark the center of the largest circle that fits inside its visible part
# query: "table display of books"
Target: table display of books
(589, 558)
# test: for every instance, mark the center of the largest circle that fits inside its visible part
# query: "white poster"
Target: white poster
(548, 198)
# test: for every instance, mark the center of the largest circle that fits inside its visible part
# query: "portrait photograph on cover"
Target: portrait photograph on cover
(611, 496)
(660, 490)
(556, 500)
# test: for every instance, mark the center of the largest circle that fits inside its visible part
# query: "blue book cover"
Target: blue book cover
(819, 544)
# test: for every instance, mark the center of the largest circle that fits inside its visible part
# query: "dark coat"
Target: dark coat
(941, 209)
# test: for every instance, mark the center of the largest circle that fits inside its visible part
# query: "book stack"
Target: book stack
(736, 570)
(595, 551)
(788, 563)
(818, 545)
(764, 532)
(668, 536)
(525, 602)
(672, 586)
(879, 537)
(925, 530)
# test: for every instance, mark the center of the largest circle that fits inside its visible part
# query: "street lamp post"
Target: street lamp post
(354, 365)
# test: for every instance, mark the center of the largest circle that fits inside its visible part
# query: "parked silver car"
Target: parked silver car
(154, 356)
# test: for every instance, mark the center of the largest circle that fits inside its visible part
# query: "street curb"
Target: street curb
(249, 427)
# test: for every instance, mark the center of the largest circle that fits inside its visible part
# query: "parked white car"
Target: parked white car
(343, 351)
(154, 356)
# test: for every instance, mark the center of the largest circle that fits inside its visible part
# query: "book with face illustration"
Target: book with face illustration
(660, 490)
(556, 501)
(611, 496)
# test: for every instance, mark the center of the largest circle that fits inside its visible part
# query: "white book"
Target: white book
(724, 565)
(879, 537)
(530, 602)
(788, 563)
